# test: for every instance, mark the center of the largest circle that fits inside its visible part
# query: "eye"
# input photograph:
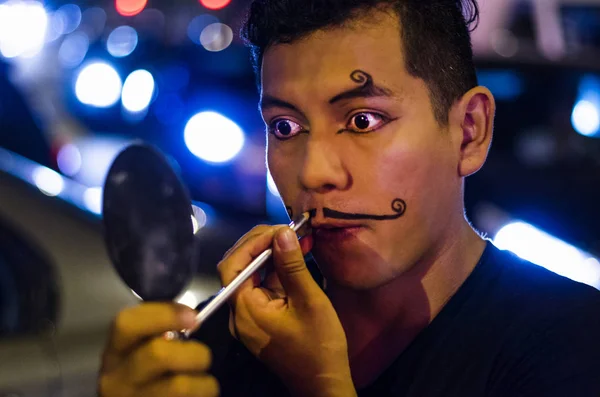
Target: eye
(366, 122)
(284, 128)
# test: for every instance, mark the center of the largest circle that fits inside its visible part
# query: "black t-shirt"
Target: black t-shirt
(512, 329)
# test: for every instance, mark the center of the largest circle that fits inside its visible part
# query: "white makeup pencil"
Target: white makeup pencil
(225, 292)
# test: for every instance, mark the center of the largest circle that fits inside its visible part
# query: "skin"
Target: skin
(395, 276)
(387, 281)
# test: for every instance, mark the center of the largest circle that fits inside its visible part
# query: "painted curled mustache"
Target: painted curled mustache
(398, 207)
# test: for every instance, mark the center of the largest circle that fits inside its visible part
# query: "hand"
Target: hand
(288, 323)
(139, 361)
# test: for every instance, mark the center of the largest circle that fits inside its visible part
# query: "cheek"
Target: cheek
(281, 166)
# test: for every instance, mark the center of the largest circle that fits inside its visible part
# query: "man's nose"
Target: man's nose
(323, 169)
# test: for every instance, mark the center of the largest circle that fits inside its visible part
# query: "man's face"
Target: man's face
(351, 135)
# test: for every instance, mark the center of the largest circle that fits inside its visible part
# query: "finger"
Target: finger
(182, 386)
(240, 258)
(134, 325)
(257, 230)
(271, 282)
(159, 357)
(291, 268)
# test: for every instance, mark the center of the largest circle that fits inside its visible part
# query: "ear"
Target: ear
(473, 117)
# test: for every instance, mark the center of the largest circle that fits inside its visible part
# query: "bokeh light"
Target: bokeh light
(129, 8)
(271, 185)
(57, 25)
(545, 250)
(122, 41)
(586, 118)
(92, 198)
(70, 17)
(216, 37)
(50, 182)
(138, 91)
(198, 24)
(213, 137)
(22, 28)
(73, 49)
(98, 84)
(69, 159)
(199, 218)
(93, 22)
(215, 4)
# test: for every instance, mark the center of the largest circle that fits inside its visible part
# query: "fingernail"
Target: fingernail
(188, 318)
(286, 240)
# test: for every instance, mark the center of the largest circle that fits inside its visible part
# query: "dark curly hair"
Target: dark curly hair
(435, 36)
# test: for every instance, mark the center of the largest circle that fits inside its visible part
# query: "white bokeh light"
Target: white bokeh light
(92, 197)
(138, 91)
(122, 41)
(189, 299)
(50, 182)
(216, 37)
(98, 84)
(22, 28)
(586, 118)
(213, 137)
(548, 251)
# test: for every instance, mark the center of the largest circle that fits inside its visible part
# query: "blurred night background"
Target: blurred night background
(81, 80)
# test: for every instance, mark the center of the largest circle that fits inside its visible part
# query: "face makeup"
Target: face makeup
(300, 226)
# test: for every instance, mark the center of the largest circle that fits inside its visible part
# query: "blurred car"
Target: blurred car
(58, 290)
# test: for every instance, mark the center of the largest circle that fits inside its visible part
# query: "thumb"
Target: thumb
(291, 269)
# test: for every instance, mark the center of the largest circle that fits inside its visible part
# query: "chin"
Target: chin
(353, 270)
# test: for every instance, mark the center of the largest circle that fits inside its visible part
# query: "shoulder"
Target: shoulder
(538, 291)
(551, 343)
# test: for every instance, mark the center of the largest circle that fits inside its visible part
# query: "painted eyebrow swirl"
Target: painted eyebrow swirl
(367, 88)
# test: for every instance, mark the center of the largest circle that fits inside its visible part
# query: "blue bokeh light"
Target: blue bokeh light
(586, 112)
(198, 24)
(73, 49)
(213, 137)
(69, 16)
(122, 41)
(69, 159)
(505, 84)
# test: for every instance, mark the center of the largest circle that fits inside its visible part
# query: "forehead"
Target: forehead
(321, 63)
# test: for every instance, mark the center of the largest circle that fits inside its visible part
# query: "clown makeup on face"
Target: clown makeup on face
(351, 131)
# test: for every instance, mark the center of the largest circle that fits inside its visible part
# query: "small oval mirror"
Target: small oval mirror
(148, 225)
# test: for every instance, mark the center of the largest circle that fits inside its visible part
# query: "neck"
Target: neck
(380, 323)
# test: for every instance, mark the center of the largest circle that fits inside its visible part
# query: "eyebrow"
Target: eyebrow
(268, 101)
(364, 91)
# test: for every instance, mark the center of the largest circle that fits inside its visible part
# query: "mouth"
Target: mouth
(336, 231)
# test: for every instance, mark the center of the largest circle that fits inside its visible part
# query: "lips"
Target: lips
(337, 231)
(334, 230)
(333, 224)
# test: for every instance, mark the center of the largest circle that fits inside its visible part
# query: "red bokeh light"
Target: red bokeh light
(129, 8)
(214, 4)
